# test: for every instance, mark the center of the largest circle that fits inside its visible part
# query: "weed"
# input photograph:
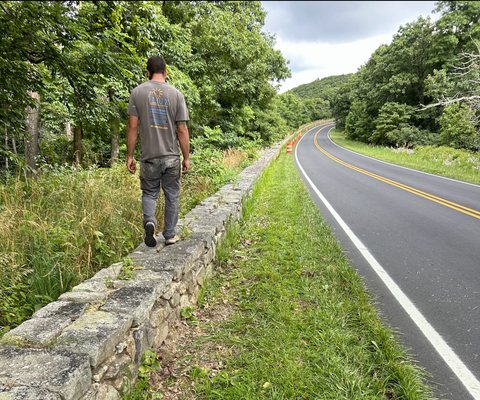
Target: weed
(142, 390)
(188, 314)
(126, 270)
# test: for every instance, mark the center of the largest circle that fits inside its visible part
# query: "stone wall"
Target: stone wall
(90, 341)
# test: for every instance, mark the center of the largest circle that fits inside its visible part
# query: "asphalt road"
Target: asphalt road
(415, 238)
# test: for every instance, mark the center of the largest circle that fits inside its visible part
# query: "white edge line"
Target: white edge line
(444, 350)
(401, 166)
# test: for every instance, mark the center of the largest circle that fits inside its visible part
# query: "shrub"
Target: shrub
(357, 124)
(457, 129)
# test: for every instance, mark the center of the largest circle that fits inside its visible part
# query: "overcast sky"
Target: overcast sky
(323, 38)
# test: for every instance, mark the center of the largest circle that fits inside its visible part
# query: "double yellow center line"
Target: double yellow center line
(447, 203)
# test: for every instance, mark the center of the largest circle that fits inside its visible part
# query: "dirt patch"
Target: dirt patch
(188, 347)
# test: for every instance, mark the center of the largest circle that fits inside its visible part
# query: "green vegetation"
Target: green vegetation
(64, 226)
(422, 89)
(286, 316)
(66, 208)
(325, 88)
(441, 160)
(142, 390)
(72, 67)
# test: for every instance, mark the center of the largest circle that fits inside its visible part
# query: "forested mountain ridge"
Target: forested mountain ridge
(325, 88)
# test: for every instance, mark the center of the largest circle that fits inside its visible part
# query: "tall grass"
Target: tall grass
(58, 230)
(63, 227)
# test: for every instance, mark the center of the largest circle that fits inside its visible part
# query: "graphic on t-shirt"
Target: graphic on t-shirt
(158, 109)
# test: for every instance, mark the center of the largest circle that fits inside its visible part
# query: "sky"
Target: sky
(324, 38)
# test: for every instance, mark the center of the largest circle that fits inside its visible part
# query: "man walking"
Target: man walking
(159, 112)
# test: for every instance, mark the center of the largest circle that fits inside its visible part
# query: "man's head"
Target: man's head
(156, 65)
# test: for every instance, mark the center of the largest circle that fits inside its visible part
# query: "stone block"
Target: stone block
(60, 372)
(83, 297)
(159, 280)
(99, 373)
(175, 300)
(158, 315)
(27, 393)
(163, 263)
(173, 316)
(141, 344)
(36, 331)
(182, 287)
(102, 392)
(191, 281)
(171, 291)
(96, 334)
(200, 275)
(184, 301)
(136, 301)
(91, 285)
(46, 324)
(161, 334)
(61, 308)
(118, 367)
(108, 273)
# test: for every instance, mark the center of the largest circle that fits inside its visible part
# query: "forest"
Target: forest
(421, 89)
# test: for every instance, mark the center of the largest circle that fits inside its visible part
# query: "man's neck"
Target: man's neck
(158, 78)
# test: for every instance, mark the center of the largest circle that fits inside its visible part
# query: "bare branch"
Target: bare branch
(474, 100)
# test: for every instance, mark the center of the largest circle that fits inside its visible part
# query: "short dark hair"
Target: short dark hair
(156, 64)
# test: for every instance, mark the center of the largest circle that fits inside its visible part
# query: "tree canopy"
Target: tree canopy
(402, 95)
(83, 59)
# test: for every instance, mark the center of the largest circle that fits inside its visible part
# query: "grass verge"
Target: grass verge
(286, 316)
(445, 161)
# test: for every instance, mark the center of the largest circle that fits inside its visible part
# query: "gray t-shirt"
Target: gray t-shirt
(158, 106)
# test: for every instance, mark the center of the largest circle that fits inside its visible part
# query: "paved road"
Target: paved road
(419, 240)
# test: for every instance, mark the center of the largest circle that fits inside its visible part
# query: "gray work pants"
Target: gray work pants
(155, 174)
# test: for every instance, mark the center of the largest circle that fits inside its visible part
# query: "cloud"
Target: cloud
(340, 21)
(324, 38)
(312, 60)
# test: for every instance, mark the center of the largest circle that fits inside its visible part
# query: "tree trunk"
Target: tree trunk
(31, 141)
(77, 144)
(68, 130)
(115, 140)
(14, 145)
(6, 147)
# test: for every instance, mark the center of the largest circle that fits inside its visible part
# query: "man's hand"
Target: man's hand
(185, 166)
(131, 165)
(132, 133)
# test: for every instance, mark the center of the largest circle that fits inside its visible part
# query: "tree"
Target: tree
(457, 129)
(357, 125)
(31, 141)
(392, 126)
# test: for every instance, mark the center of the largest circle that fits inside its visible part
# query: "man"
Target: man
(159, 112)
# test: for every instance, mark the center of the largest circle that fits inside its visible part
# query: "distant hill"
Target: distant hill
(324, 88)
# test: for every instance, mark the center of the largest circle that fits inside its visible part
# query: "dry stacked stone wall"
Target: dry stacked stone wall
(90, 342)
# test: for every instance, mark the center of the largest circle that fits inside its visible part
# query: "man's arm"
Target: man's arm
(184, 140)
(132, 133)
